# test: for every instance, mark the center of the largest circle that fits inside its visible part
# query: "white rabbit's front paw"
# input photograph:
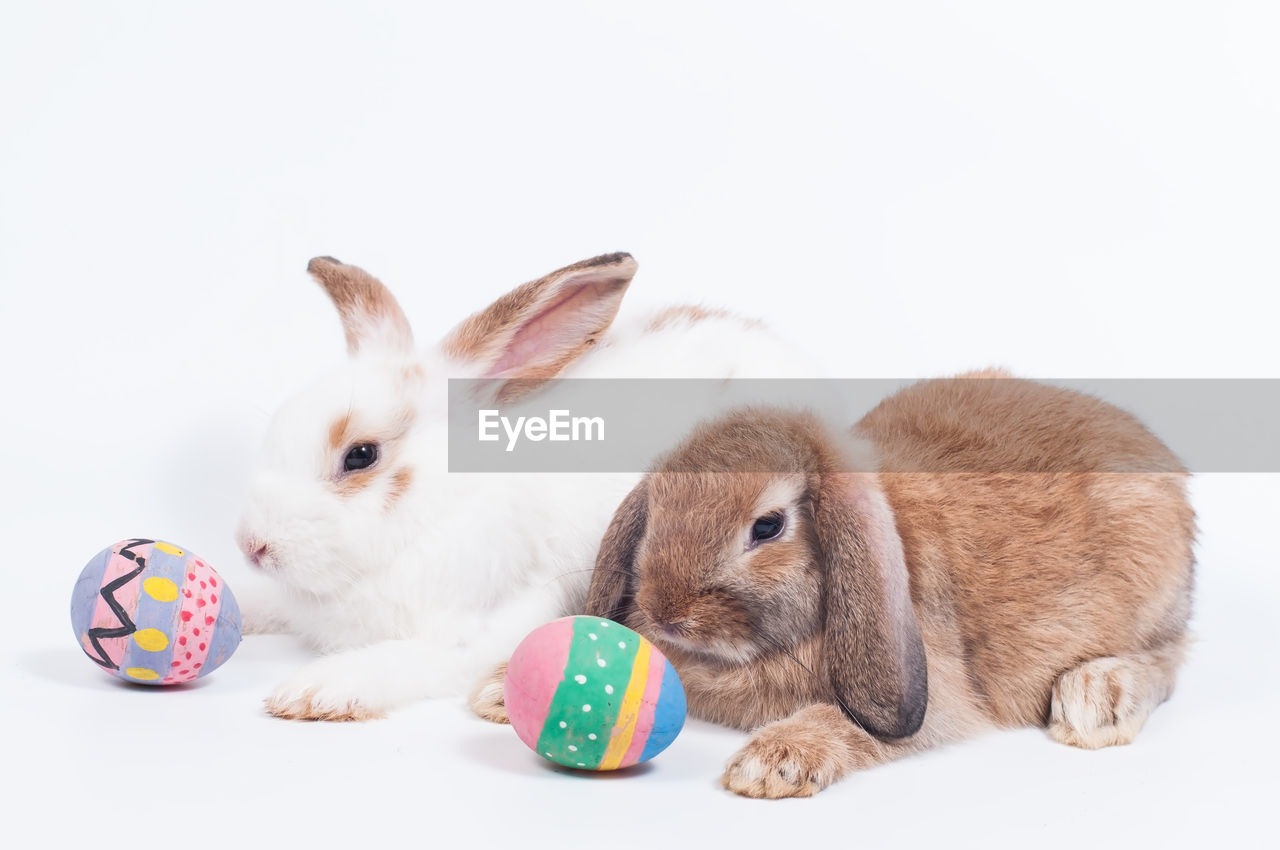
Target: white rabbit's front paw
(263, 609)
(333, 688)
(260, 621)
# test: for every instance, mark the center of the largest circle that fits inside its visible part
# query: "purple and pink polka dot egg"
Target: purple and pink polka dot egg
(151, 612)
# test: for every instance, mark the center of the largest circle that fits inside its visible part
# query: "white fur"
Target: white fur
(422, 600)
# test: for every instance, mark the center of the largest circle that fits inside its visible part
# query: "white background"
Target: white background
(910, 188)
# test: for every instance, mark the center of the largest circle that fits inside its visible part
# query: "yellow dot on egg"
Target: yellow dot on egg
(142, 674)
(160, 589)
(152, 640)
(168, 548)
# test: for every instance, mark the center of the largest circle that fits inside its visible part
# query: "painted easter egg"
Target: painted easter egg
(590, 693)
(155, 613)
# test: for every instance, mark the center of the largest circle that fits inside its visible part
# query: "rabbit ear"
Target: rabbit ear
(872, 641)
(371, 317)
(536, 330)
(610, 595)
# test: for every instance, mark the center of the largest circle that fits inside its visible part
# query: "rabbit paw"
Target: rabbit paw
(487, 698)
(1106, 701)
(262, 610)
(257, 621)
(334, 688)
(794, 757)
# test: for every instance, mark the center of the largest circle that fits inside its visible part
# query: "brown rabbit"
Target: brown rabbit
(977, 552)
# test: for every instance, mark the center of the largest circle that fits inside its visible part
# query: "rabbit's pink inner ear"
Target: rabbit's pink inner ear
(371, 316)
(559, 333)
(536, 330)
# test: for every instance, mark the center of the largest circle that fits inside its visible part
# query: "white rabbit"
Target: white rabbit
(414, 581)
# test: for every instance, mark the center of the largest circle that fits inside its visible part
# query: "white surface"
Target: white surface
(911, 188)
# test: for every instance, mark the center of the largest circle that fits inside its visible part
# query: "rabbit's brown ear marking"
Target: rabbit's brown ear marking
(371, 316)
(536, 330)
(611, 583)
(872, 642)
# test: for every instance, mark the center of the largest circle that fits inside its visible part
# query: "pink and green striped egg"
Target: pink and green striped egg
(589, 693)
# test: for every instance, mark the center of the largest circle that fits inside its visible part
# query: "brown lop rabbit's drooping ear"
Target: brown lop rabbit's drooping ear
(871, 640)
(609, 595)
(975, 553)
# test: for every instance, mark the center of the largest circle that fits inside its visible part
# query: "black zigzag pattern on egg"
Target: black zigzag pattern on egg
(127, 626)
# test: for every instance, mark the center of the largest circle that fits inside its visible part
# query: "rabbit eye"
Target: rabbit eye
(767, 527)
(360, 456)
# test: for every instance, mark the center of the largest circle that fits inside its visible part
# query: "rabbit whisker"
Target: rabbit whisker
(570, 573)
(777, 646)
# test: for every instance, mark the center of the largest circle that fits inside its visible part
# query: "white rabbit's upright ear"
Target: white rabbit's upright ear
(872, 643)
(536, 330)
(613, 581)
(371, 316)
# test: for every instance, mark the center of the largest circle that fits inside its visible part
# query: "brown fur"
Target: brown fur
(1044, 537)
(398, 485)
(690, 314)
(800, 755)
(369, 312)
(339, 434)
(352, 483)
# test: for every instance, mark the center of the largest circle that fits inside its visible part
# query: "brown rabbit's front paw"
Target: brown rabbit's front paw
(487, 699)
(795, 757)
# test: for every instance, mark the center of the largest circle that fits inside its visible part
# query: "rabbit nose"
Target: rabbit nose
(670, 624)
(257, 554)
(254, 549)
(666, 614)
